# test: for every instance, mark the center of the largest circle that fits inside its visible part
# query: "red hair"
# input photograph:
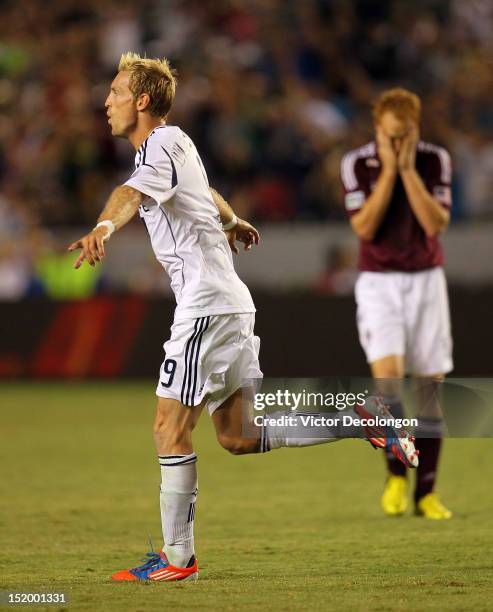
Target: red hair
(403, 103)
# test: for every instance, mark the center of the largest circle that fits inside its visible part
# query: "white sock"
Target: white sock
(178, 497)
(285, 434)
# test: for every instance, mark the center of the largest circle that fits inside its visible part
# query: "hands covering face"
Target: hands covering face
(405, 158)
(385, 150)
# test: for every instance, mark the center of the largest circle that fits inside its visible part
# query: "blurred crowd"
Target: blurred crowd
(273, 92)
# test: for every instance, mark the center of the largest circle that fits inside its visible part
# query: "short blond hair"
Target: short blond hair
(403, 103)
(154, 77)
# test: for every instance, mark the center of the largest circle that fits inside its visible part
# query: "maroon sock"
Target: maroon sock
(394, 465)
(429, 434)
(429, 452)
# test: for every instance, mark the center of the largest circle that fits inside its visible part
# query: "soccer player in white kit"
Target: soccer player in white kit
(212, 352)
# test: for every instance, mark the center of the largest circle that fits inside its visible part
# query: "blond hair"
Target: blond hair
(403, 103)
(153, 77)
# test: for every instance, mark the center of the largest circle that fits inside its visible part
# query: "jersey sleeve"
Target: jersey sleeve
(439, 177)
(356, 189)
(155, 175)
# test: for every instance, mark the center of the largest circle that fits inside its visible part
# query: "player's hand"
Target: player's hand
(242, 232)
(386, 150)
(406, 159)
(92, 247)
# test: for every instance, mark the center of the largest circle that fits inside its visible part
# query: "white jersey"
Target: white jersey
(185, 228)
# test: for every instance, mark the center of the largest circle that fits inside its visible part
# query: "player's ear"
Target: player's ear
(143, 102)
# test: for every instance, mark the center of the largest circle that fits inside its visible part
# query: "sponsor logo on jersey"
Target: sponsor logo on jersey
(354, 200)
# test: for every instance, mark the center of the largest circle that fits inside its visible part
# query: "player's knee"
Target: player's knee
(390, 368)
(390, 372)
(236, 445)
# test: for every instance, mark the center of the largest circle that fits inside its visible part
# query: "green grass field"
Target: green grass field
(296, 529)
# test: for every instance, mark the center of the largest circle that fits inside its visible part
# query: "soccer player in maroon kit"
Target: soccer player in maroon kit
(398, 198)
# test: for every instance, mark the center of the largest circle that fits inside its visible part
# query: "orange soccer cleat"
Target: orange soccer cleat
(158, 569)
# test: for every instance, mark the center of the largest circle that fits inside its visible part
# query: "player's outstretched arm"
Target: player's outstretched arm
(236, 229)
(122, 205)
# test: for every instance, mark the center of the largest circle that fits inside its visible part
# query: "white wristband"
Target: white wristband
(108, 225)
(230, 224)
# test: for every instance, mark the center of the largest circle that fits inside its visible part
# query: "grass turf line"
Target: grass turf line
(294, 529)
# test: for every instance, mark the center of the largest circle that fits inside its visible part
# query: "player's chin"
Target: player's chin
(116, 131)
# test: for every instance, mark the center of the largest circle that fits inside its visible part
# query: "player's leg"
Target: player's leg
(238, 434)
(233, 359)
(381, 330)
(231, 407)
(173, 426)
(429, 437)
(228, 421)
(430, 358)
(389, 372)
(178, 409)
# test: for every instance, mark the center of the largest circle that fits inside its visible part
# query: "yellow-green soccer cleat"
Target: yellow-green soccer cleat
(394, 499)
(431, 507)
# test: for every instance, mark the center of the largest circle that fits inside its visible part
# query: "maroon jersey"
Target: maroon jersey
(400, 242)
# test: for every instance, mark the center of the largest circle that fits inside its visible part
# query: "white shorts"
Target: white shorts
(406, 313)
(209, 358)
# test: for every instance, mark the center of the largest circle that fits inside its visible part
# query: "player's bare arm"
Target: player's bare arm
(366, 222)
(120, 208)
(236, 229)
(431, 215)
